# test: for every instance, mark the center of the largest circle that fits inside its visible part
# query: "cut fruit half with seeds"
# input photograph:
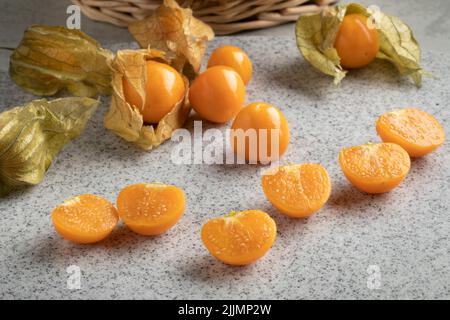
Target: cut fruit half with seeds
(239, 238)
(415, 130)
(375, 167)
(85, 219)
(150, 208)
(297, 190)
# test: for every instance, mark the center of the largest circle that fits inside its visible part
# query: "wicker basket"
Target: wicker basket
(223, 16)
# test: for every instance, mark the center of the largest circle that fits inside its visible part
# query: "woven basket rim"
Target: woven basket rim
(225, 17)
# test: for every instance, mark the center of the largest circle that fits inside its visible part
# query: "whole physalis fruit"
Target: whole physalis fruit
(260, 133)
(297, 190)
(239, 238)
(357, 43)
(85, 219)
(217, 94)
(164, 87)
(150, 208)
(232, 57)
(417, 131)
(375, 167)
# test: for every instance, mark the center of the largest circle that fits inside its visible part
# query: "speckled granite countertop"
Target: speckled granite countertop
(400, 238)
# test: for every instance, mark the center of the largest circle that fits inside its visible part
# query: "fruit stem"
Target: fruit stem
(232, 213)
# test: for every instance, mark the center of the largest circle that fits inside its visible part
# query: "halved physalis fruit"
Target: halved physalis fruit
(417, 131)
(85, 219)
(375, 167)
(239, 238)
(297, 190)
(150, 208)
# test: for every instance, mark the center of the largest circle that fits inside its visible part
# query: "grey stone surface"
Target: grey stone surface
(404, 233)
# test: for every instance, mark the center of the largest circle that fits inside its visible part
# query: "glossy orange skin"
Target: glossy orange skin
(150, 209)
(239, 238)
(85, 219)
(417, 131)
(260, 115)
(297, 190)
(356, 44)
(164, 88)
(217, 94)
(232, 57)
(375, 167)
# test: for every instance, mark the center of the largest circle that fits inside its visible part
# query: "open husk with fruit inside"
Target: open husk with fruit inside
(316, 35)
(126, 120)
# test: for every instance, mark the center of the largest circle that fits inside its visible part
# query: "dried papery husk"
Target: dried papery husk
(124, 119)
(51, 58)
(316, 34)
(398, 45)
(33, 134)
(174, 30)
